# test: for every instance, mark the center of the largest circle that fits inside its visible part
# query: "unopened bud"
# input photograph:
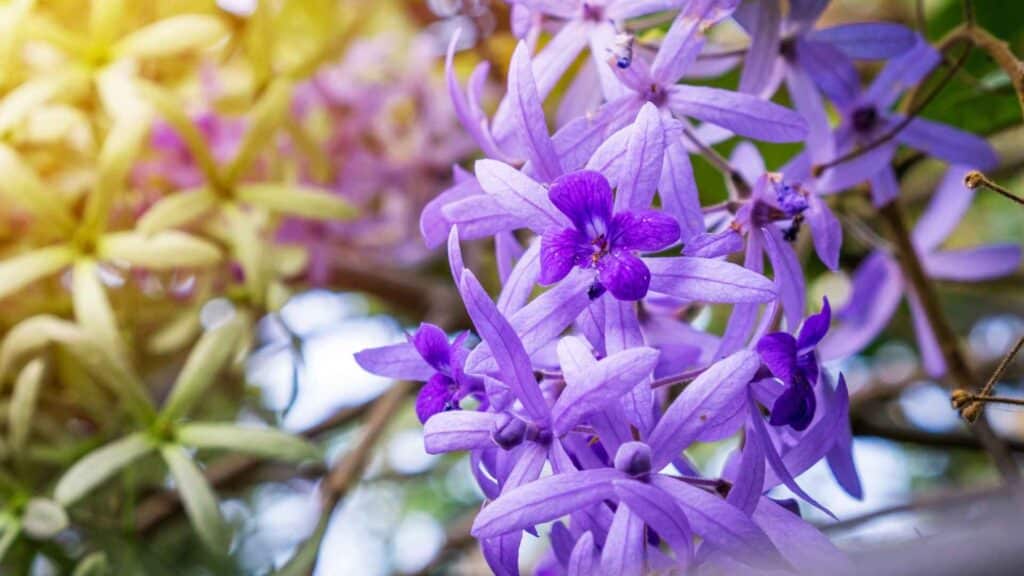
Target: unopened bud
(960, 398)
(633, 458)
(509, 431)
(974, 179)
(972, 412)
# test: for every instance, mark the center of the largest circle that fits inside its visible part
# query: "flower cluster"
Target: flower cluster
(589, 362)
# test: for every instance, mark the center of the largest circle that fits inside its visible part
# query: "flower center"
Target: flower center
(865, 118)
(601, 247)
(656, 95)
(592, 13)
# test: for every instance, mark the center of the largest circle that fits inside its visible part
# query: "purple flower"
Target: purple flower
(879, 286)
(794, 362)
(429, 357)
(598, 239)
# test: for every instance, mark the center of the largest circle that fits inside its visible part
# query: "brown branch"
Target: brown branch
(457, 540)
(976, 179)
(972, 405)
(956, 363)
(938, 500)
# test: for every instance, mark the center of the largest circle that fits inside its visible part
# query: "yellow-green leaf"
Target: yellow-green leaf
(32, 94)
(19, 271)
(198, 498)
(105, 17)
(23, 403)
(256, 441)
(267, 116)
(99, 465)
(43, 518)
(92, 308)
(173, 112)
(173, 36)
(210, 355)
(160, 251)
(22, 185)
(297, 200)
(176, 210)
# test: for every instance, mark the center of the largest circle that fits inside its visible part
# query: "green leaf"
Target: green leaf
(256, 441)
(19, 271)
(301, 201)
(23, 403)
(11, 528)
(161, 251)
(269, 112)
(43, 518)
(208, 357)
(93, 310)
(302, 563)
(198, 498)
(99, 465)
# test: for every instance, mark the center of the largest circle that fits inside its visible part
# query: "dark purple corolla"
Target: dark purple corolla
(427, 357)
(795, 363)
(600, 240)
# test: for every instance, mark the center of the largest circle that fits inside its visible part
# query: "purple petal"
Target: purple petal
(545, 500)
(876, 291)
(742, 114)
(480, 216)
(794, 407)
(778, 352)
(806, 10)
(868, 40)
(610, 158)
(471, 117)
(684, 39)
(840, 456)
(625, 275)
(507, 250)
(520, 195)
(506, 347)
(624, 10)
(528, 116)
(830, 69)
(807, 101)
(678, 191)
(927, 344)
(714, 245)
(721, 525)
(530, 460)
(716, 395)
(432, 344)
(747, 160)
(973, 264)
(661, 513)
(704, 280)
(826, 231)
(602, 38)
(815, 327)
(455, 262)
(744, 316)
(585, 559)
(764, 47)
(644, 155)
(644, 230)
(775, 462)
(621, 333)
(884, 187)
(519, 283)
(599, 385)
(433, 225)
(948, 143)
(748, 483)
(560, 250)
(435, 397)
(860, 169)
(458, 430)
(901, 73)
(540, 321)
(583, 94)
(398, 361)
(580, 138)
(800, 543)
(502, 553)
(585, 197)
(789, 276)
(624, 548)
(947, 207)
(557, 8)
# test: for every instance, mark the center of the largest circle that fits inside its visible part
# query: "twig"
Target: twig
(937, 500)
(913, 113)
(956, 363)
(976, 179)
(864, 425)
(972, 405)
(720, 163)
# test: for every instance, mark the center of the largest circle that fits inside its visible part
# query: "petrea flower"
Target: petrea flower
(866, 118)
(429, 357)
(879, 286)
(598, 239)
(790, 45)
(794, 362)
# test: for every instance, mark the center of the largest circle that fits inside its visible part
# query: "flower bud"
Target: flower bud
(509, 431)
(634, 458)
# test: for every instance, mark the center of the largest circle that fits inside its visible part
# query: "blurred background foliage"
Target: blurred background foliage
(367, 119)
